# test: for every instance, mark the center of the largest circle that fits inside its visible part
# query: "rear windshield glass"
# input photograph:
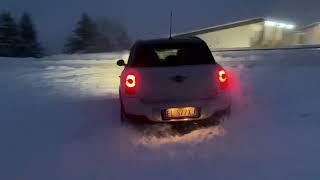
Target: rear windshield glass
(171, 55)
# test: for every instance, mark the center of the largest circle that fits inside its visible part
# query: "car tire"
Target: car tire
(123, 117)
(226, 113)
(220, 116)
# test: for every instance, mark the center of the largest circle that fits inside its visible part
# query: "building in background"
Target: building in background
(252, 33)
(297, 38)
(310, 34)
(233, 35)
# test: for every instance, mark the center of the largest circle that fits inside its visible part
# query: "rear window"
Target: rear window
(171, 55)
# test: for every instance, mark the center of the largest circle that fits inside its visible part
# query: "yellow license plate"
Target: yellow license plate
(181, 113)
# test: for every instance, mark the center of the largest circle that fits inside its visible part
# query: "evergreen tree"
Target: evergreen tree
(84, 37)
(9, 36)
(29, 46)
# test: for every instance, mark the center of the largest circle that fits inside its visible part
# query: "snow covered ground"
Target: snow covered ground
(60, 120)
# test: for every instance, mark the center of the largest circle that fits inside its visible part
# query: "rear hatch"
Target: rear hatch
(182, 83)
(173, 70)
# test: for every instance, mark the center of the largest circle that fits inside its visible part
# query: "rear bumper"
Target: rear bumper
(215, 118)
(135, 108)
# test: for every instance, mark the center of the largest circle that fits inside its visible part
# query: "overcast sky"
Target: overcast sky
(149, 18)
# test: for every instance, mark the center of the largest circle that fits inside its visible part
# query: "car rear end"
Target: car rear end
(173, 80)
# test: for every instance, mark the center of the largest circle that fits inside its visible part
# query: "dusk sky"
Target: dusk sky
(147, 18)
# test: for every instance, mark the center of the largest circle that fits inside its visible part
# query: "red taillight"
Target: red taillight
(222, 78)
(130, 84)
(130, 81)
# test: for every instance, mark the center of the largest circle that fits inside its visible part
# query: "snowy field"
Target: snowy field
(60, 120)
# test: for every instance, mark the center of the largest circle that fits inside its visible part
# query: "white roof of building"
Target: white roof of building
(224, 26)
(310, 26)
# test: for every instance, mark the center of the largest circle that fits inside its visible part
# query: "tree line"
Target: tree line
(20, 39)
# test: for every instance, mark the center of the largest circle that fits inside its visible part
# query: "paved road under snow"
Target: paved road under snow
(59, 119)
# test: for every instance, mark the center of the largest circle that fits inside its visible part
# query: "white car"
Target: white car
(172, 80)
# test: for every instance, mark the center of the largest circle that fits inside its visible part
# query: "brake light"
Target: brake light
(223, 78)
(131, 81)
(130, 84)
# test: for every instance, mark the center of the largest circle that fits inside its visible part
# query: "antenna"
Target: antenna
(170, 37)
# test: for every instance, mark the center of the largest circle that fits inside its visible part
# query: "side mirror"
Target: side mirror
(121, 62)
